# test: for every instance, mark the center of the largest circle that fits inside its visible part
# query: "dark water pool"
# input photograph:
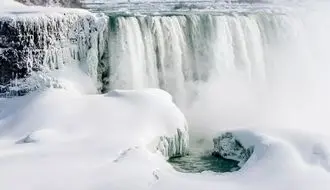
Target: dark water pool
(200, 162)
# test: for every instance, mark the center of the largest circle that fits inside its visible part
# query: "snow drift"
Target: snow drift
(158, 121)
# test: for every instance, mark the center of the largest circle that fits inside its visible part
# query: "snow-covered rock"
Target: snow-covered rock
(229, 147)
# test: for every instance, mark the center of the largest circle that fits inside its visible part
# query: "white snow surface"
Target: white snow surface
(13, 8)
(83, 142)
(69, 140)
(71, 136)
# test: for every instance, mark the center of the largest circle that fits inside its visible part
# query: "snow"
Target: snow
(84, 131)
(65, 139)
(13, 8)
(68, 137)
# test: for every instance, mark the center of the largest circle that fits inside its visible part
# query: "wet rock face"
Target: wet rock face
(228, 147)
(62, 3)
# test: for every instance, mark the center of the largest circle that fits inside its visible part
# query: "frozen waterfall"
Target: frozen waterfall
(34, 44)
(172, 51)
(178, 52)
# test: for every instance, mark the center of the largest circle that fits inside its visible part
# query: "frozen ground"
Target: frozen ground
(69, 140)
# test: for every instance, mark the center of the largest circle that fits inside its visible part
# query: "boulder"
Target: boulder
(227, 146)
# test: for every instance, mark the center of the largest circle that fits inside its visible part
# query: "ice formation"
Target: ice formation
(38, 43)
(176, 145)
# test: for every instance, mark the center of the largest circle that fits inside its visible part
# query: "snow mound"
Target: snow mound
(175, 141)
(141, 118)
(266, 151)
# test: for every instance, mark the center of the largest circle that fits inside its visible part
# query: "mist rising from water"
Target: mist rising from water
(296, 93)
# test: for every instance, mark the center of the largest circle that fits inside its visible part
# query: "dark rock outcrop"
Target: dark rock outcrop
(228, 147)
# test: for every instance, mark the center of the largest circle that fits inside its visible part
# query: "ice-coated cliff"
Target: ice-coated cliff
(39, 42)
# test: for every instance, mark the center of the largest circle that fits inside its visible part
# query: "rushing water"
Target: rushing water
(179, 52)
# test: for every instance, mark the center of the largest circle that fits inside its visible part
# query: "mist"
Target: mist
(295, 93)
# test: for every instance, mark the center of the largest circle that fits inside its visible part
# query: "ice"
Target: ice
(36, 43)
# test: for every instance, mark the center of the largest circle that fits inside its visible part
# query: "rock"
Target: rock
(228, 147)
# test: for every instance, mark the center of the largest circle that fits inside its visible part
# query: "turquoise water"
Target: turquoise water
(198, 162)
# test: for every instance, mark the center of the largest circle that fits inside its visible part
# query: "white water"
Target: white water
(178, 53)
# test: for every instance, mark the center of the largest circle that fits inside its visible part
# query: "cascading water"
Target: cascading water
(172, 51)
(177, 53)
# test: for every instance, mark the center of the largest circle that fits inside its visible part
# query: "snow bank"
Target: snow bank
(61, 139)
(137, 118)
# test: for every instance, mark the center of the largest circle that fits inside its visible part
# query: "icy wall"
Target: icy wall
(43, 42)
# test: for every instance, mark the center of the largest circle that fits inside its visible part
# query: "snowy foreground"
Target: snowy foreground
(60, 139)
